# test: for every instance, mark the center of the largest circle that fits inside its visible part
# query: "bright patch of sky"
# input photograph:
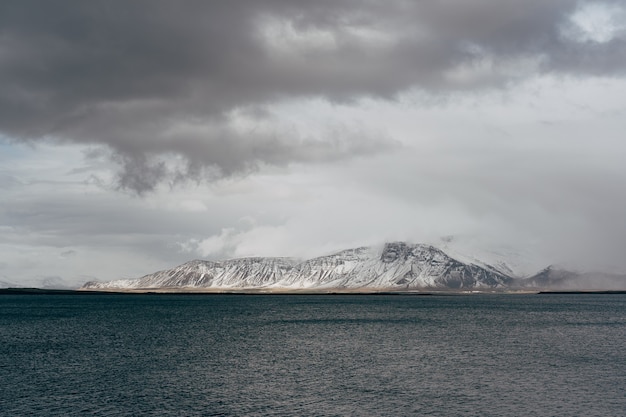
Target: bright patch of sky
(597, 22)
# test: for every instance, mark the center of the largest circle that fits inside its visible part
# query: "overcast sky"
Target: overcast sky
(137, 135)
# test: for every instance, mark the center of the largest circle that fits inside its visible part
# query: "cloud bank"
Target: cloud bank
(179, 90)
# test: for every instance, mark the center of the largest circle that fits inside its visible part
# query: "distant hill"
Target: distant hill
(561, 279)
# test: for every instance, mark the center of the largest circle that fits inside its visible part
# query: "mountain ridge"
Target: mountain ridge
(398, 266)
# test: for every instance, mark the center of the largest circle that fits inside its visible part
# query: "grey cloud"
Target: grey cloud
(8, 181)
(124, 74)
(225, 153)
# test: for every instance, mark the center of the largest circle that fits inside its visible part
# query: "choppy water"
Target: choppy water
(188, 355)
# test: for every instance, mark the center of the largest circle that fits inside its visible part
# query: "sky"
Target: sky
(138, 135)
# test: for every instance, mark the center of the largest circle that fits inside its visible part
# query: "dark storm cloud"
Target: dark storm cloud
(135, 75)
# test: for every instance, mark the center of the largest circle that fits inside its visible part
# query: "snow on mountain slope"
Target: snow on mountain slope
(244, 272)
(398, 266)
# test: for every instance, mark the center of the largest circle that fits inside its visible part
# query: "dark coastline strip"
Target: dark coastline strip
(44, 291)
(548, 292)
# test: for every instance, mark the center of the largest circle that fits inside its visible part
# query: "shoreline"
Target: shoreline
(334, 291)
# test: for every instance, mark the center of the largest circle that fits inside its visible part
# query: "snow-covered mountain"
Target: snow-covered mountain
(398, 265)
(233, 273)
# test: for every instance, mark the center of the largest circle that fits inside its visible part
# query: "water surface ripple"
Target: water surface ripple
(335, 355)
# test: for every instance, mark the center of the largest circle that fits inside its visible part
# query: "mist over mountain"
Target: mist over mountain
(561, 279)
(6, 284)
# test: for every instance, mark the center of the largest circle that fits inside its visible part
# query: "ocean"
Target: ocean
(313, 355)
